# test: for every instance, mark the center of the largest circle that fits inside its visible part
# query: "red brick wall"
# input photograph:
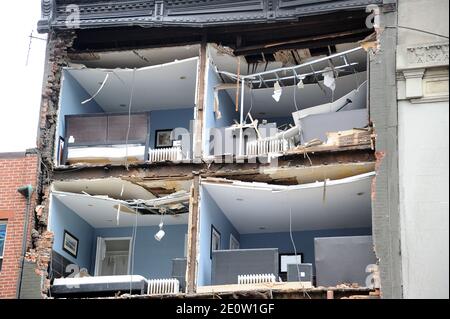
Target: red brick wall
(14, 173)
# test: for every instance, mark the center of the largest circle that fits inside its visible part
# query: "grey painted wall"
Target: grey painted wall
(304, 240)
(385, 203)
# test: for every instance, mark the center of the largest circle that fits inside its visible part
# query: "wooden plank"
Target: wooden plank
(200, 103)
(252, 287)
(191, 269)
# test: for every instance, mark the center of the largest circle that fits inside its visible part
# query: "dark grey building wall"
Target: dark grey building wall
(31, 282)
(384, 115)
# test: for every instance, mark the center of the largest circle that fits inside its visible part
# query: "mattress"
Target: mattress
(115, 153)
(99, 286)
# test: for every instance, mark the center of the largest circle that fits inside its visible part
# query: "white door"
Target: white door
(113, 256)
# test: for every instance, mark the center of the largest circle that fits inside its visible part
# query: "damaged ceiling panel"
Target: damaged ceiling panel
(112, 187)
(134, 58)
(310, 95)
(262, 208)
(102, 212)
(317, 173)
(225, 59)
(153, 86)
(125, 188)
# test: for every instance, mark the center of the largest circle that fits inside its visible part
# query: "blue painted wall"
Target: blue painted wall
(63, 218)
(304, 240)
(169, 119)
(152, 259)
(226, 106)
(72, 94)
(211, 214)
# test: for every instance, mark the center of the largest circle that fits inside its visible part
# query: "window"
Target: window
(215, 240)
(2, 240)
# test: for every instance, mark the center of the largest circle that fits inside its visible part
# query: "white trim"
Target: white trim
(101, 241)
(56, 139)
(3, 222)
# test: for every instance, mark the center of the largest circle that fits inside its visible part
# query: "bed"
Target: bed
(106, 138)
(99, 286)
(108, 154)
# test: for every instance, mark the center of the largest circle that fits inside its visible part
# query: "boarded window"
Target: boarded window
(107, 129)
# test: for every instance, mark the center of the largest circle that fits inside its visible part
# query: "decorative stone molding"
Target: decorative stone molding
(436, 54)
(423, 56)
(414, 83)
(47, 13)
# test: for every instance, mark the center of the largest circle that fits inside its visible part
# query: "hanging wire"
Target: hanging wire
(295, 247)
(295, 92)
(129, 119)
(251, 103)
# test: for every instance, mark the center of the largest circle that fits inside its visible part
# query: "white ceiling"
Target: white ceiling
(111, 187)
(261, 208)
(264, 106)
(102, 213)
(154, 86)
(135, 58)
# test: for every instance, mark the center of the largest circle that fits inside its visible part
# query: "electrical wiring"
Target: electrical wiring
(129, 119)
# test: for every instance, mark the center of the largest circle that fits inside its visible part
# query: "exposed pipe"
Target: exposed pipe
(26, 191)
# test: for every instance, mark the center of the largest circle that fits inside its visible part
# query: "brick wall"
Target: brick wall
(15, 171)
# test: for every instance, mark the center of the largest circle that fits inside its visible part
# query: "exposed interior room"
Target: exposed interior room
(124, 106)
(283, 100)
(260, 229)
(116, 232)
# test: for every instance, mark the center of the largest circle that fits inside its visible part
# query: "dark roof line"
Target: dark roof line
(86, 14)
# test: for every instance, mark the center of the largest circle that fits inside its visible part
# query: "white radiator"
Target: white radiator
(256, 279)
(163, 286)
(171, 154)
(269, 145)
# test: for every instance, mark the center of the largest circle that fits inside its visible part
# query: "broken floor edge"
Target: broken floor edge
(309, 293)
(288, 155)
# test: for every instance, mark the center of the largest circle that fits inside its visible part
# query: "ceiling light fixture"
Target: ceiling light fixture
(161, 233)
(300, 84)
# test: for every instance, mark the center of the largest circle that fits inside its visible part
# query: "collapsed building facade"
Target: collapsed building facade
(221, 147)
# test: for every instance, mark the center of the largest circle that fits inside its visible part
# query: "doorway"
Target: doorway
(113, 256)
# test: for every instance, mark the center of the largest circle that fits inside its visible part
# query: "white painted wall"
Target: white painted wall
(424, 199)
(422, 72)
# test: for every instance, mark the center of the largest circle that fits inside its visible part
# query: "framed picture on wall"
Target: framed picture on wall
(215, 240)
(70, 244)
(162, 139)
(234, 243)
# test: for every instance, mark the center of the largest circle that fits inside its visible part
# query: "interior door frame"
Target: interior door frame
(100, 240)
